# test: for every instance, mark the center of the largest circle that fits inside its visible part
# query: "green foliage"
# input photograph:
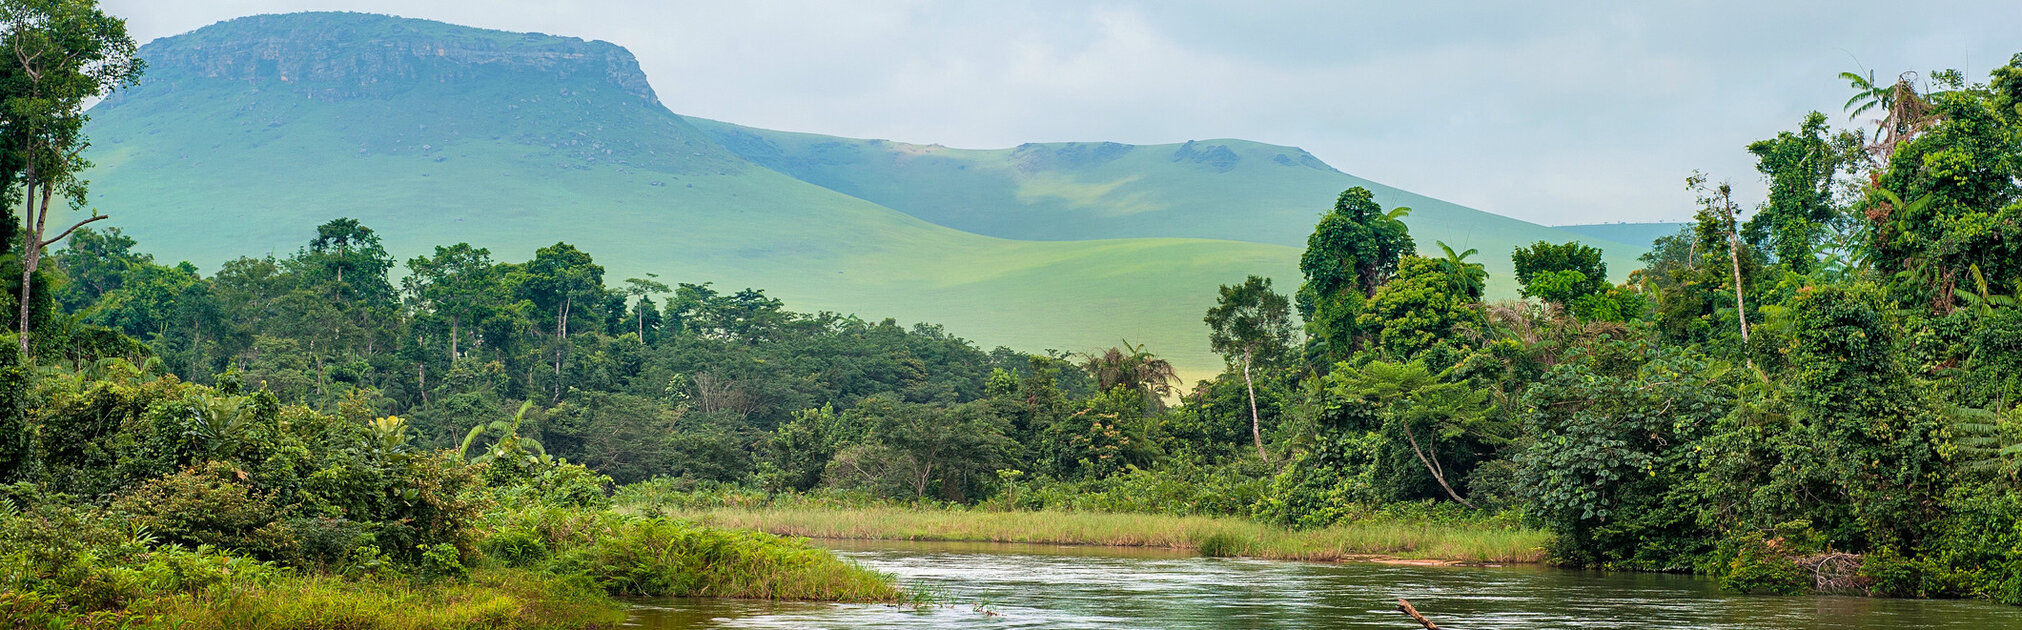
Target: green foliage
(1756, 567)
(1610, 446)
(1252, 322)
(1560, 273)
(1437, 431)
(1354, 249)
(918, 451)
(210, 506)
(1803, 169)
(1419, 313)
(1871, 429)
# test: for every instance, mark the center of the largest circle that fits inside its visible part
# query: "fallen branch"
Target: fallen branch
(1406, 607)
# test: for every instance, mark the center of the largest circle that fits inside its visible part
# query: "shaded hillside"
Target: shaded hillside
(1221, 189)
(1633, 233)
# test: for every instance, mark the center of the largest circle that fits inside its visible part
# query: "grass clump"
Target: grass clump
(506, 599)
(656, 556)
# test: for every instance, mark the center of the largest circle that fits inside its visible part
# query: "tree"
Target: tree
(559, 277)
(1415, 315)
(1718, 202)
(1134, 369)
(94, 264)
(348, 258)
(1353, 250)
(1473, 277)
(1801, 169)
(54, 57)
(643, 289)
(1407, 395)
(1251, 322)
(1904, 112)
(1560, 273)
(459, 282)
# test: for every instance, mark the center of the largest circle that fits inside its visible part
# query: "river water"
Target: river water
(1033, 586)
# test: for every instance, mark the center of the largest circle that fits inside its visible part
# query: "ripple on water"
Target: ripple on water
(1035, 586)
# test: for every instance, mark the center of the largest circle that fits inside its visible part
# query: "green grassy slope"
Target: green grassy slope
(218, 155)
(1633, 233)
(1220, 189)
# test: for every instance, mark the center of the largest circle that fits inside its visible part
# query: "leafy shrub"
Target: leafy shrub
(1756, 566)
(441, 561)
(210, 505)
(515, 547)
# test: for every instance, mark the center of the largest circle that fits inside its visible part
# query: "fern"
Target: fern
(1982, 449)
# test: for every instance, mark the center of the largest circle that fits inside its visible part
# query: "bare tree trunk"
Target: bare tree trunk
(29, 239)
(1256, 424)
(452, 336)
(422, 370)
(1431, 466)
(1734, 257)
(561, 345)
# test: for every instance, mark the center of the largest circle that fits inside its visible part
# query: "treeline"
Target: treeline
(648, 380)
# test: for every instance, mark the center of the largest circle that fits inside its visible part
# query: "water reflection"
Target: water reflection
(1027, 586)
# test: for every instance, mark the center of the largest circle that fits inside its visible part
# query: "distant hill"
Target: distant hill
(1637, 234)
(248, 133)
(1219, 189)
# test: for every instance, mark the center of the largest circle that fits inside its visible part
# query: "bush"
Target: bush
(516, 547)
(210, 505)
(1756, 566)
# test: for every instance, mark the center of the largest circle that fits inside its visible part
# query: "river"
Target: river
(1034, 586)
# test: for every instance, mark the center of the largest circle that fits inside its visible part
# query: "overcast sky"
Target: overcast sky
(1583, 113)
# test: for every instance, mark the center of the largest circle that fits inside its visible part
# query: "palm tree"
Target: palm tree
(1904, 112)
(1472, 276)
(1867, 96)
(1132, 368)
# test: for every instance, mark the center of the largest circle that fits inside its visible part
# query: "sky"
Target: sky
(1580, 112)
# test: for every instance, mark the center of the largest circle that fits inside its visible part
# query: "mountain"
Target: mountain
(1641, 234)
(1219, 189)
(246, 134)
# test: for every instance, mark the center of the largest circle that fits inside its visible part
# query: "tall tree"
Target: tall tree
(1251, 323)
(1473, 277)
(347, 262)
(1801, 169)
(643, 290)
(1718, 204)
(55, 55)
(1135, 369)
(1353, 250)
(1559, 273)
(459, 282)
(558, 279)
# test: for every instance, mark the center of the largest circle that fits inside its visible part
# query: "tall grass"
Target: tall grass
(1478, 542)
(503, 599)
(636, 555)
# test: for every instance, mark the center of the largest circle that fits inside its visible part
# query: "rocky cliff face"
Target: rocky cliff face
(338, 56)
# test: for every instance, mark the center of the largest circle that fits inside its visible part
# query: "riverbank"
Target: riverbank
(1414, 542)
(531, 567)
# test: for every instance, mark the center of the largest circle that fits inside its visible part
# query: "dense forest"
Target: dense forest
(1816, 391)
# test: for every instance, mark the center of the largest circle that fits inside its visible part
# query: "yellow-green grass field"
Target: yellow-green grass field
(1484, 543)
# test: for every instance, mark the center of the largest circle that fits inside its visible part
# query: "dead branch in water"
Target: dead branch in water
(1406, 607)
(1835, 573)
